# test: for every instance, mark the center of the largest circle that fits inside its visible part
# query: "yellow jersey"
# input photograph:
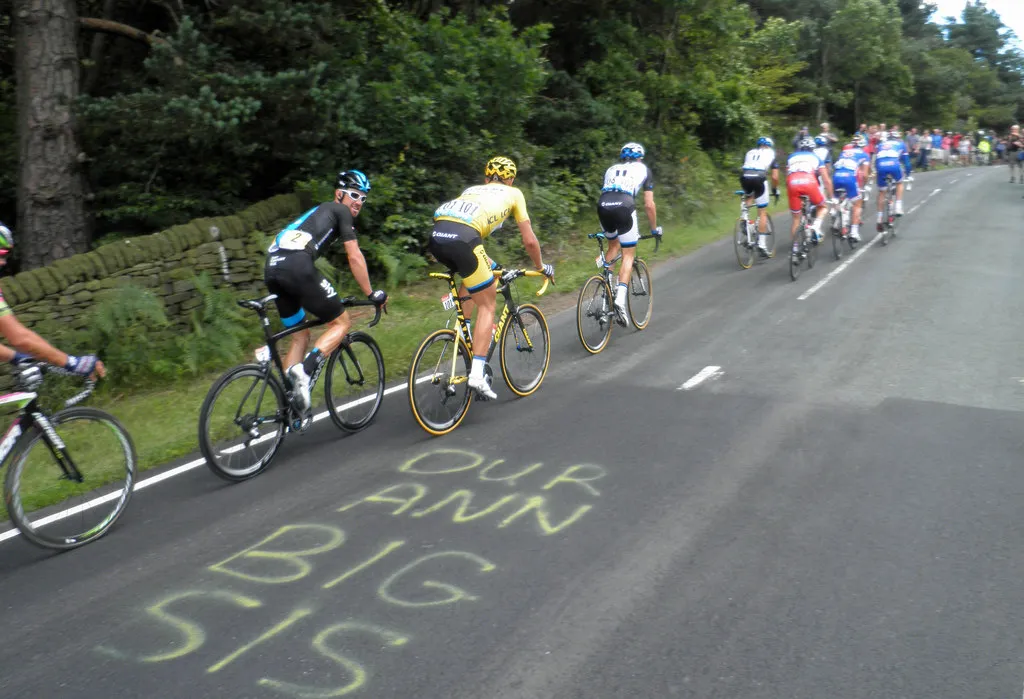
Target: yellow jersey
(484, 207)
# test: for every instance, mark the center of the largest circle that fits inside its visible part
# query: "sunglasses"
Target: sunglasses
(356, 196)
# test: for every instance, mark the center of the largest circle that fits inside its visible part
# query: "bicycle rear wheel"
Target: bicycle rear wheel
(242, 422)
(885, 225)
(641, 295)
(525, 350)
(811, 248)
(103, 454)
(769, 242)
(439, 394)
(744, 251)
(354, 385)
(594, 314)
(836, 233)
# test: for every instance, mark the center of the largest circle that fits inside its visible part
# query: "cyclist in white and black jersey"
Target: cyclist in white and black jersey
(290, 273)
(754, 180)
(616, 209)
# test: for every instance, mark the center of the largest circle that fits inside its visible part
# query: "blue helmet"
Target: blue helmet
(353, 179)
(820, 141)
(632, 151)
(766, 141)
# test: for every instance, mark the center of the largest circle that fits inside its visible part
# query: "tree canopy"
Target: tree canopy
(195, 107)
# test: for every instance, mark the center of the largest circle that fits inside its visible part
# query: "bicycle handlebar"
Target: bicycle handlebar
(510, 275)
(30, 382)
(601, 236)
(353, 301)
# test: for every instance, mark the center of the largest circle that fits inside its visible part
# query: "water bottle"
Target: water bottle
(600, 260)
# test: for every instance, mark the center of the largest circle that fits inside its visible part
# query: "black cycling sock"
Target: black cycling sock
(313, 361)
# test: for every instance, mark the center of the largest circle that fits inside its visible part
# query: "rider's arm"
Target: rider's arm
(29, 342)
(651, 209)
(775, 177)
(827, 179)
(357, 263)
(531, 243)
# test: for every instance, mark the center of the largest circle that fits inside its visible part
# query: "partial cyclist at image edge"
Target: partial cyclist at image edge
(757, 163)
(460, 227)
(27, 343)
(616, 210)
(804, 172)
(892, 160)
(290, 273)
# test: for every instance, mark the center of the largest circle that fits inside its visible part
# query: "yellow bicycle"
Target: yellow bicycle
(439, 394)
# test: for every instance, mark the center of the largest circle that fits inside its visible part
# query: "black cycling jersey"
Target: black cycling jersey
(316, 229)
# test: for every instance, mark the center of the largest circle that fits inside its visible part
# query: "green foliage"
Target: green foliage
(128, 329)
(220, 330)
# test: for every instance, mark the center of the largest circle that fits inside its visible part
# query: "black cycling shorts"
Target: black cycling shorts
(300, 287)
(753, 184)
(617, 213)
(461, 249)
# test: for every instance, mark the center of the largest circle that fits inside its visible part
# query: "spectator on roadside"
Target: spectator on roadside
(804, 132)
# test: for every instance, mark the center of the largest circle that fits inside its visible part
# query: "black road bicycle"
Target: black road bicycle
(71, 474)
(808, 250)
(249, 409)
(595, 308)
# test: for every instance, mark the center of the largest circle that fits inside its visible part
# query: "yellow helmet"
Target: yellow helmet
(502, 167)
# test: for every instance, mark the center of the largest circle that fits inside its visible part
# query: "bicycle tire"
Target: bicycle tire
(240, 438)
(19, 507)
(885, 226)
(441, 386)
(794, 265)
(835, 230)
(744, 252)
(517, 329)
(344, 412)
(770, 236)
(641, 286)
(595, 306)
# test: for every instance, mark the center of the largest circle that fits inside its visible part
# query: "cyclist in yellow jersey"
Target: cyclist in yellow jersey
(460, 225)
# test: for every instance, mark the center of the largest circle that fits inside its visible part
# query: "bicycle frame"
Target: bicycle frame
(509, 309)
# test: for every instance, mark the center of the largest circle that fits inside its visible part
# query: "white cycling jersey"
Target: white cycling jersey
(804, 161)
(759, 161)
(629, 177)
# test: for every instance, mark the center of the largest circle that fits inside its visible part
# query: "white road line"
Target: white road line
(701, 376)
(178, 470)
(954, 180)
(969, 174)
(831, 275)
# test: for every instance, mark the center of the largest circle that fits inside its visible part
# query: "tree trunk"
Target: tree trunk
(51, 214)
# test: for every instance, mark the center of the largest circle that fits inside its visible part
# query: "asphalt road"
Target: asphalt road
(833, 512)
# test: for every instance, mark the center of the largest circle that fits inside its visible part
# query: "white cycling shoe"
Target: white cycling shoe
(300, 383)
(482, 387)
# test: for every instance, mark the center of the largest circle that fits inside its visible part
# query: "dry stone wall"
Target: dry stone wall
(231, 249)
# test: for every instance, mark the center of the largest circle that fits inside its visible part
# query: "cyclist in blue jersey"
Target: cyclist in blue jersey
(849, 168)
(290, 273)
(891, 160)
(824, 153)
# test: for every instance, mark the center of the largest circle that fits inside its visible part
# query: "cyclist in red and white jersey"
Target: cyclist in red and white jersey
(804, 168)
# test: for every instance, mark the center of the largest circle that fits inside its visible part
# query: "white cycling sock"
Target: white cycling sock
(477, 370)
(879, 216)
(762, 240)
(620, 294)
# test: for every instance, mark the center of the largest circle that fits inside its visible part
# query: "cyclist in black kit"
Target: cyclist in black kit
(300, 287)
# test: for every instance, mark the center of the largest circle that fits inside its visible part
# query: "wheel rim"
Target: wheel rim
(594, 315)
(525, 351)
(354, 384)
(641, 295)
(438, 398)
(243, 425)
(58, 513)
(744, 254)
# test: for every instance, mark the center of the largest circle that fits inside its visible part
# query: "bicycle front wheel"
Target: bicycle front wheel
(354, 385)
(63, 508)
(744, 250)
(525, 350)
(769, 242)
(242, 422)
(641, 295)
(439, 394)
(594, 314)
(836, 233)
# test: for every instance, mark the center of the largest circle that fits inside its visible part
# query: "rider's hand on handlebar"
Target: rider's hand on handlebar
(379, 298)
(86, 365)
(548, 270)
(657, 232)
